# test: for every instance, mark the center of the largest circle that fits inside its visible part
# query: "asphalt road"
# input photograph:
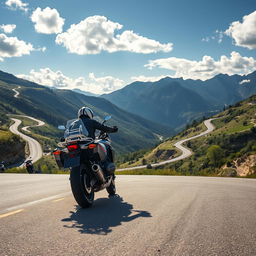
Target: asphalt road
(153, 215)
(39, 123)
(35, 149)
(16, 95)
(185, 151)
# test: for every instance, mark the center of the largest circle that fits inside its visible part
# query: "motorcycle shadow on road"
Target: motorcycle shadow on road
(105, 214)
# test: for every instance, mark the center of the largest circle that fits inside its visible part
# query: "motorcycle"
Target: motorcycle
(2, 166)
(90, 162)
(29, 166)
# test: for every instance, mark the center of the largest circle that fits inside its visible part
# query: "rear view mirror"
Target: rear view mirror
(61, 127)
(107, 118)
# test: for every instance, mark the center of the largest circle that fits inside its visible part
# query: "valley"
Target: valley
(55, 107)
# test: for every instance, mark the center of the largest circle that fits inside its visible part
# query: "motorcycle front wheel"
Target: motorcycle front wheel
(80, 186)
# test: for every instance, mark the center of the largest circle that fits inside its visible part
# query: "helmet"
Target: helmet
(85, 111)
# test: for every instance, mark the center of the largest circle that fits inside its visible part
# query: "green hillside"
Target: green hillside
(12, 148)
(230, 150)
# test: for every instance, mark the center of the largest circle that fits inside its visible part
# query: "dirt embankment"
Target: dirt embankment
(243, 166)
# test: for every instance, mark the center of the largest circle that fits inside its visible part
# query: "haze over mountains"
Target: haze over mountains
(175, 102)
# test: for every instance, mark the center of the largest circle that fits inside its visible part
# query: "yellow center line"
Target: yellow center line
(57, 200)
(10, 213)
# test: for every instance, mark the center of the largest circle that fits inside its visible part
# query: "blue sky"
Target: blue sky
(113, 43)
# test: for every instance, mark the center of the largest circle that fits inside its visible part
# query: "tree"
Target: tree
(215, 154)
(144, 161)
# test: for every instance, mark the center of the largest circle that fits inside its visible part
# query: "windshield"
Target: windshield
(75, 127)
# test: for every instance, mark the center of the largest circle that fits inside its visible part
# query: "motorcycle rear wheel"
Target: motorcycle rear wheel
(80, 186)
(112, 188)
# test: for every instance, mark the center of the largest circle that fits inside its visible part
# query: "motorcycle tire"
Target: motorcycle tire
(111, 188)
(80, 186)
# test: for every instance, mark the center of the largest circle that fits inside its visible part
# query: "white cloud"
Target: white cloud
(41, 49)
(207, 67)
(104, 84)
(97, 85)
(148, 78)
(245, 81)
(17, 4)
(7, 28)
(206, 39)
(244, 33)
(13, 47)
(96, 34)
(47, 21)
(218, 35)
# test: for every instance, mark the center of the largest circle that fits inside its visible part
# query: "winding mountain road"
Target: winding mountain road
(16, 95)
(185, 151)
(35, 149)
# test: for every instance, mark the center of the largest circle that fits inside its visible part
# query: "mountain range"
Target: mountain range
(176, 102)
(144, 111)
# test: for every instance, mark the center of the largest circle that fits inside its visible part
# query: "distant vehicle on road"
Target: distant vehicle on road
(2, 166)
(29, 166)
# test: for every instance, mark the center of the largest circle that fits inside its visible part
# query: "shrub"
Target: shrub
(215, 154)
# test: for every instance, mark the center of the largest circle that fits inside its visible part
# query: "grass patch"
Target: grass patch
(16, 170)
(148, 172)
(239, 128)
(6, 136)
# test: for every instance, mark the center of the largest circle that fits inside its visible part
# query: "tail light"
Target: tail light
(57, 152)
(72, 147)
(57, 155)
(92, 146)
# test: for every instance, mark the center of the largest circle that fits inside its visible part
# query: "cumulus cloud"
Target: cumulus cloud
(142, 78)
(7, 28)
(244, 33)
(245, 81)
(47, 21)
(96, 34)
(17, 4)
(104, 84)
(46, 76)
(207, 67)
(97, 85)
(13, 47)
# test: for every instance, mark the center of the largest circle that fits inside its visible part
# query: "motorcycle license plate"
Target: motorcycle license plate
(72, 161)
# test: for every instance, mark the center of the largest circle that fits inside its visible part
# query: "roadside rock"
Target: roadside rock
(245, 165)
(242, 166)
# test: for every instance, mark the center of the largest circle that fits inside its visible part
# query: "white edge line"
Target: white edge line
(33, 202)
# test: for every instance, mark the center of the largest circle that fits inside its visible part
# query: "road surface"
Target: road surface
(185, 151)
(39, 123)
(35, 149)
(153, 215)
(16, 95)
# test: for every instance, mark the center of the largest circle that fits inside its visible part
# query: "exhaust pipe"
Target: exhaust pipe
(98, 173)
